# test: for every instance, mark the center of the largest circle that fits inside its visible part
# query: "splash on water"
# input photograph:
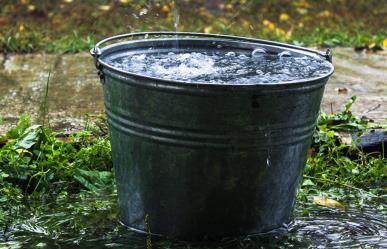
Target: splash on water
(223, 67)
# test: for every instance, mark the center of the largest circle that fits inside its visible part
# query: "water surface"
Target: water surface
(220, 67)
(91, 221)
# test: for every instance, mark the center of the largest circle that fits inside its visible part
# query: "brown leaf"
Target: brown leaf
(328, 203)
(342, 90)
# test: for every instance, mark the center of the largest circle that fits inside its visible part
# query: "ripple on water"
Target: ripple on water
(342, 229)
(323, 228)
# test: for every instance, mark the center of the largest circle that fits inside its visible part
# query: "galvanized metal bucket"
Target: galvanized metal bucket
(197, 161)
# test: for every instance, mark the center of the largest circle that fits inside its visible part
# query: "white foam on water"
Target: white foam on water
(228, 67)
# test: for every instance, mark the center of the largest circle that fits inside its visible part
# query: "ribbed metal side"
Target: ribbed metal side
(258, 137)
(208, 160)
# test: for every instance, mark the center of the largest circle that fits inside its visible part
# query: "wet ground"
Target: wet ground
(74, 89)
(96, 226)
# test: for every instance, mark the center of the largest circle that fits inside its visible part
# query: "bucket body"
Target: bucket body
(198, 161)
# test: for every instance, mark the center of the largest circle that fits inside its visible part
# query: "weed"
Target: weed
(44, 105)
(53, 26)
(67, 184)
(339, 168)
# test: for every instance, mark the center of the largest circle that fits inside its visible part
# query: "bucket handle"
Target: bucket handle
(96, 51)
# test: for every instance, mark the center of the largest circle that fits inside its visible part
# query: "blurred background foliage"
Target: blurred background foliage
(75, 25)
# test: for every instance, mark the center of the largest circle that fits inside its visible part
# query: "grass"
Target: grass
(67, 182)
(73, 26)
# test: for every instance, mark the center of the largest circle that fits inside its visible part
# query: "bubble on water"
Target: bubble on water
(220, 67)
(231, 54)
(258, 53)
(242, 71)
(259, 72)
(242, 57)
(139, 57)
(284, 54)
(286, 71)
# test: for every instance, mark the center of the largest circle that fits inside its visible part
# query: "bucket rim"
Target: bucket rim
(98, 54)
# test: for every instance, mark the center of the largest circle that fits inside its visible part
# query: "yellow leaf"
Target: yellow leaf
(284, 17)
(289, 34)
(385, 42)
(266, 22)
(23, 151)
(280, 32)
(21, 28)
(68, 1)
(31, 8)
(327, 202)
(124, 1)
(207, 29)
(104, 7)
(165, 9)
(371, 45)
(325, 13)
(229, 6)
(269, 25)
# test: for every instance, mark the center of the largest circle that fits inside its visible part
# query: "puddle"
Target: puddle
(75, 90)
(91, 222)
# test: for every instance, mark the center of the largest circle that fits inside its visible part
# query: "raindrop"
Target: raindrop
(258, 53)
(231, 54)
(259, 72)
(284, 54)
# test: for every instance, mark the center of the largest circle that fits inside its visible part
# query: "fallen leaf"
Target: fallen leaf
(21, 28)
(342, 90)
(268, 24)
(280, 32)
(327, 203)
(4, 20)
(104, 7)
(165, 9)
(207, 29)
(372, 47)
(284, 17)
(311, 152)
(385, 42)
(302, 11)
(31, 8)
(23, 152)
(325, 13)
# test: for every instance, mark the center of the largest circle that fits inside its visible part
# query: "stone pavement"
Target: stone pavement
(75, 91)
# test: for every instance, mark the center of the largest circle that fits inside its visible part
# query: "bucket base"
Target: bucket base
(277, 231)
